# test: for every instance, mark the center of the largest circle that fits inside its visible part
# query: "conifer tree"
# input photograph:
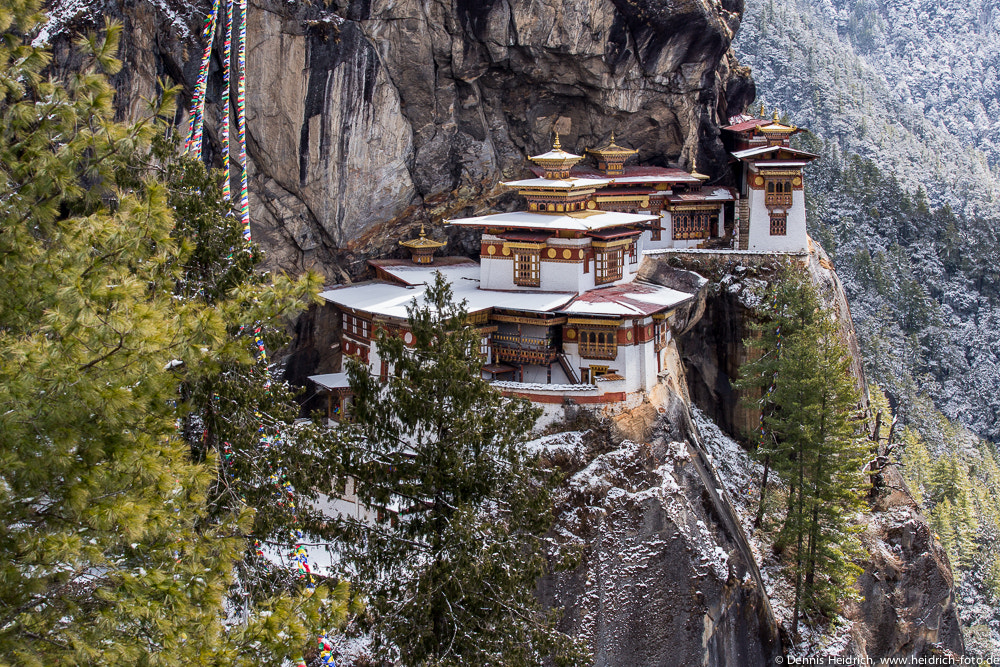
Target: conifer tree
(107, 554)
(454, 551)
(815, 447)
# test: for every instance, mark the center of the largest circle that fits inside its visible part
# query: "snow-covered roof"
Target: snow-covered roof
(762, 150)
(633, 174)
(581, 221)
(560, 184)
(388, 300)
(331, 380)
(556, 153)
(630, 299)
(419, 274)
(715, 195)
(782, 163)
(744, 125)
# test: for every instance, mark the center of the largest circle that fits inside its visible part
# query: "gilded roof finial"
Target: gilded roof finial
(763, 113)
(612, 136)
(694, 168)
(423, 233)
(776, 119)
(555, 144)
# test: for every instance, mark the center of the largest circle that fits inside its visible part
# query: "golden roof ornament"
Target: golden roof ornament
(763, 113)
(422, 248)
(556, 162)
(694, 169)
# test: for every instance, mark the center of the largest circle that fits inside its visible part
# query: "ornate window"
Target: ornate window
(633, 252)
(356, 326)
(779, 192)
(609, 264)
(691, 225)
(527, 267)
(598, 343)
(779, 223)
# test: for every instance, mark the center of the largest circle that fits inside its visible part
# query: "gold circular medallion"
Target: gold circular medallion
(796, 181)
(628, 335)
(591, 205)
(759, 180)
(567, 254)
(492, 250)
(552, 252)
(506, 251)
(570, 334)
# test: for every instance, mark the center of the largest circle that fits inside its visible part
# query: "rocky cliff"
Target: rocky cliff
(366, 117)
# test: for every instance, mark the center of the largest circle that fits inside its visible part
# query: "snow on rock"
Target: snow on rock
(661, 580)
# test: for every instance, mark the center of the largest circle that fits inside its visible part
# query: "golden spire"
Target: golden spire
(612, 136)
(556, 146)
(762, 111)
(694, 168)
(776, 119)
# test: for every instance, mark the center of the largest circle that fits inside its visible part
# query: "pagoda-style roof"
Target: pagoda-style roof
(422, 248)
(576, 221)
(612, 151)
(631, 299)
(746, 125)
(571, 183)
(422, 242)
(633, 175)
(710, 195)
(391, 301)
(556, 162)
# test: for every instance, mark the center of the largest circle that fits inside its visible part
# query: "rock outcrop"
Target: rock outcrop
(666, 575)
(907, 589)
(366, 117)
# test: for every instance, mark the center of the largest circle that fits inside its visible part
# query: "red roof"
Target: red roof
(748, 125)
(624, 295)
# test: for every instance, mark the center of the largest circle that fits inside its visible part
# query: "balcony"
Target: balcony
(511, 348)
(778, 200)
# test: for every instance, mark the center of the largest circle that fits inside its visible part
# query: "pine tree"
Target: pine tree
(107, 554)
(816, 419)
(814, 446)
(235, 411)
(452, 557)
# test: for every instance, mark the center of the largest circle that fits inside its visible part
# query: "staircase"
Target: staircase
(567, 369)
(744, 212)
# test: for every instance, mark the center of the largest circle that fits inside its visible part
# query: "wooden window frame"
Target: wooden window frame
(609, 264)
(779, 223)
(527, 267)
(691, 225)
(598, 343)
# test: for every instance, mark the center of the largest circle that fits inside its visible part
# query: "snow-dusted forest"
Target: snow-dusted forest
(903, 104)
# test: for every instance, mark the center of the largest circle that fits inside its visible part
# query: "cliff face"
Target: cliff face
(368, 116)
(908, 603)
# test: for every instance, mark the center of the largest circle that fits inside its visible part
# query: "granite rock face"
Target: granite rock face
(666, 575)
(367, 117)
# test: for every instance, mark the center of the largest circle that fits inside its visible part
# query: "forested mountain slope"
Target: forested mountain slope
(903, 106)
